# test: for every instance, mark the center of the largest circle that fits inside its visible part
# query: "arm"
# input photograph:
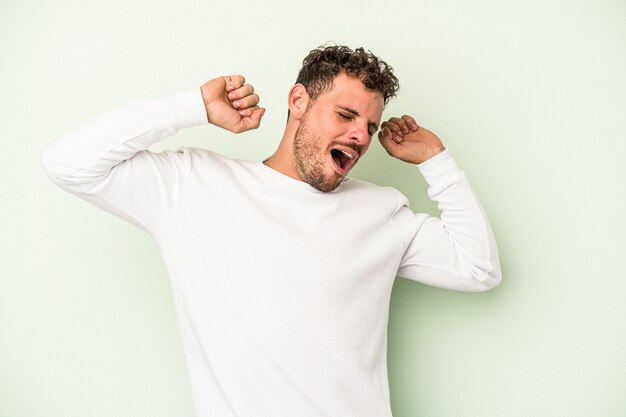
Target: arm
(106, 160)
(457, 251)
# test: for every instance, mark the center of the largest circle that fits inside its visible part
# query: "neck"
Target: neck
(282, 159)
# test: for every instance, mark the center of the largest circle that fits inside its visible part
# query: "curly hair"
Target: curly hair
(323, 64)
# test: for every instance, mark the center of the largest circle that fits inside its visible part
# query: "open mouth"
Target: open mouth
(343, 159)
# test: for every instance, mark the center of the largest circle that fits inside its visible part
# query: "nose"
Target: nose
(360, 134)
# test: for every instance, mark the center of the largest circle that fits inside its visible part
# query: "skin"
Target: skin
(346, 116)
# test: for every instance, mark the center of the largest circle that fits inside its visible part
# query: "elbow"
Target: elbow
(481, 276)
(486, 273)
(490, 283)
(55, 168)
(488, 279)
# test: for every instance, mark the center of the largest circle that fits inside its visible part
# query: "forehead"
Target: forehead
(351, 92)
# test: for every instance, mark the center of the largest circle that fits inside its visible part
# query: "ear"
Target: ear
(298, 101)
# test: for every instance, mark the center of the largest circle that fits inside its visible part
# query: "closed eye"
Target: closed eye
(349, 116)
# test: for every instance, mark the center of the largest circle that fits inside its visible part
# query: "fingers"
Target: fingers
(384, 133)
(410, 122)
(405, 124)
(255, 118)
(233, 82)
(386, 140)
(253, 121)
(248, 112)
(386, 137)
(401, 123)
(391, 130)
(398, 127)
(240, 92)
(241, 96)
(246, 102)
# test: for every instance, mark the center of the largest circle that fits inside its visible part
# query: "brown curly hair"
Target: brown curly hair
(323, 64)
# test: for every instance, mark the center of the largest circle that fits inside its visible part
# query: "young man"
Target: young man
(282, 270)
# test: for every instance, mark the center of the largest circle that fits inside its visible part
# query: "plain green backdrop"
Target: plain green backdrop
(530, 97)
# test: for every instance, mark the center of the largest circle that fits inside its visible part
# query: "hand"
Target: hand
(231, 104)
(403, 139)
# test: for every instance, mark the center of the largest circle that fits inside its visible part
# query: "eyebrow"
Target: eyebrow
(356, 113)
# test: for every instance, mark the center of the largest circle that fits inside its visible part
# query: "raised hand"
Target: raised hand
(231, 104)
(403, 139)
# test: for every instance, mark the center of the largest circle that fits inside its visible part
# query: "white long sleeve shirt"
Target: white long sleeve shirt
(281, 291)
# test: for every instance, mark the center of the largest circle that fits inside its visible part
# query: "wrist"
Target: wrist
(427, 154)
(205, 101)
(434, 151)
(187, 109)
(442, 154)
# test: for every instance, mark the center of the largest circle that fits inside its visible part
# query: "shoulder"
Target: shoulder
(202, 154)
(375, 194)
(212, 167)
(203, 158)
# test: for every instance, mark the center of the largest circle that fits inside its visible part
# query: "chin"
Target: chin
(331, 183)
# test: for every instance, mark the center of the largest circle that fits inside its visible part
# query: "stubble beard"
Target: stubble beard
(308, 159)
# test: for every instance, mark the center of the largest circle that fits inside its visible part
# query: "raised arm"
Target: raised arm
(458, 250)
(106, 162)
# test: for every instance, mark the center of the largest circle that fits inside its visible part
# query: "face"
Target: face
(335, 132)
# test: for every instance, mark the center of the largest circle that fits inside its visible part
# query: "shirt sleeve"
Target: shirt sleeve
(456, 251)
(106, 161)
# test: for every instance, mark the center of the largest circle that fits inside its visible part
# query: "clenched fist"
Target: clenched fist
(231, 104)
(403, 139)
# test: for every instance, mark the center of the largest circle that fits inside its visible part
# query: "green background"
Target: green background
(530, 97)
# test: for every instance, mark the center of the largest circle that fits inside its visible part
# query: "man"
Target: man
(282, 270)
